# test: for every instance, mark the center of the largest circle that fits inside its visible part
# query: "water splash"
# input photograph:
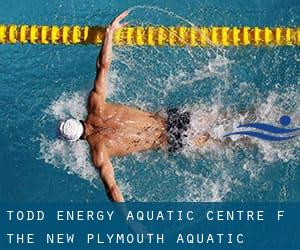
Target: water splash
(209, 83)
(74, 158)
(192, 185)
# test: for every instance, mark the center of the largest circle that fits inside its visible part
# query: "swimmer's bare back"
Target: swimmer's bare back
(113, 129)
(124, 130)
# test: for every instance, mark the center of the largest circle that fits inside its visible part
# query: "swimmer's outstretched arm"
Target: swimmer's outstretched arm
(103, 164)
(105, 56)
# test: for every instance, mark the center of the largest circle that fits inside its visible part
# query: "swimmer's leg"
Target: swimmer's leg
(200, 140)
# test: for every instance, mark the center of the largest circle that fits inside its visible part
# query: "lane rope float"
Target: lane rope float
(152, 35)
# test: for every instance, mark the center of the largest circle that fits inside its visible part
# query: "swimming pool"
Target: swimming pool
(42, 84)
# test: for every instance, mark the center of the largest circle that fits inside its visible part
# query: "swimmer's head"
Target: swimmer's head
(70, 129)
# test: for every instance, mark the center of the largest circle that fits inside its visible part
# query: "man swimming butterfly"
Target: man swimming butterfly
(117, 130)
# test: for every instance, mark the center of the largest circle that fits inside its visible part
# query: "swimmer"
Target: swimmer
(114, 130)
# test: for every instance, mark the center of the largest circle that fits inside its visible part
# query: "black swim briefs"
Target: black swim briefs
(177, 124)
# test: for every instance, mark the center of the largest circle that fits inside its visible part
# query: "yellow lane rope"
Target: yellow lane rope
(152, 35)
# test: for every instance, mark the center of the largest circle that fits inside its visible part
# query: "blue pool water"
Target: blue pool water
(42, 84)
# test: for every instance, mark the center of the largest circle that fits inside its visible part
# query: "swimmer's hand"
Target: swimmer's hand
(115, 24)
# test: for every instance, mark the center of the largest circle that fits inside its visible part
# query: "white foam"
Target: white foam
(68, 105)
(217, 121)
(72, 157)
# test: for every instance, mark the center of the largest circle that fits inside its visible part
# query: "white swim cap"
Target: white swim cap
(70, 130)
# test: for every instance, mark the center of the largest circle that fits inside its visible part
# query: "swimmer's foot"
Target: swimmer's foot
(200, 140)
